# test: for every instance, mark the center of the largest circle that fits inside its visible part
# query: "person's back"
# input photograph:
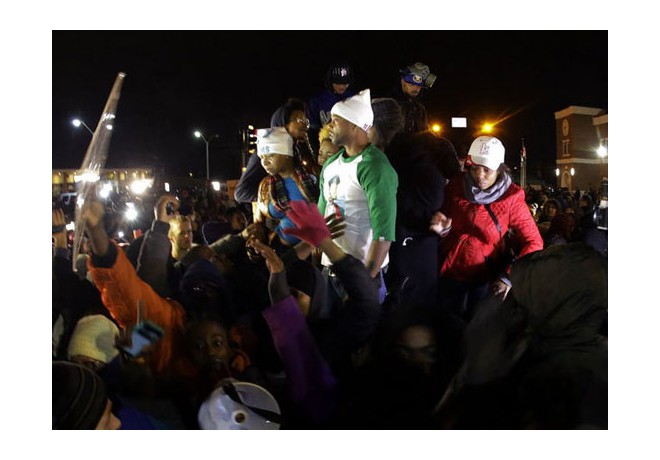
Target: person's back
(538, 359)
(422, 163)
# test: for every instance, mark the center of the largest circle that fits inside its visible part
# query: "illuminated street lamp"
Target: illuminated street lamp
(436, 128)
(76, 122)
(487, 128)
(199, 135)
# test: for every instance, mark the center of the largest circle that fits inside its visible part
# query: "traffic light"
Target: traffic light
(250, 140)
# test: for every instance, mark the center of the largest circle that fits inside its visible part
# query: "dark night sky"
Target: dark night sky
(222, 80)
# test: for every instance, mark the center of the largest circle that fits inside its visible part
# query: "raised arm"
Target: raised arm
(152, 262)
(310, 381)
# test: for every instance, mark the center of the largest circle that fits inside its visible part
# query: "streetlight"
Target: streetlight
(487, 128)
(76, 122)
(199, 135)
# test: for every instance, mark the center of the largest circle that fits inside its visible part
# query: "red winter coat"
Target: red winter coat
(474, 250)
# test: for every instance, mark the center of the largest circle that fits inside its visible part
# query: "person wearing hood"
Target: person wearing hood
(290, 116)
(538, 359)
(481, 205)
(338, 80)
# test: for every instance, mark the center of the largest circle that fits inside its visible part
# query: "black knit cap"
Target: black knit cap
(79, 397)
(340, 73)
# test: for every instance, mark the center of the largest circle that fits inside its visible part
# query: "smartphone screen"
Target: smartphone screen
(143, 334)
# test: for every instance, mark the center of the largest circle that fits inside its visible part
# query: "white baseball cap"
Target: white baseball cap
(236, 405)
(486, 151)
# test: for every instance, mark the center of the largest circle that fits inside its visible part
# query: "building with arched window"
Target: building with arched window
(582, 149)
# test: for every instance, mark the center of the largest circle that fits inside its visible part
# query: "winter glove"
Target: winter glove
(310, 225)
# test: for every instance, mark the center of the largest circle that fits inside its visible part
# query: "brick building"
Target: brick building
(582, 149)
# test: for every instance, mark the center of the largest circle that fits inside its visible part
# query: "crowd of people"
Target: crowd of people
(367, 276)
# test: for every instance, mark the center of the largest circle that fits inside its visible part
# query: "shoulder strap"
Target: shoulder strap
(492, 215)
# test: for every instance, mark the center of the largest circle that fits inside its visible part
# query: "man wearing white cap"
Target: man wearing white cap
(359, 183)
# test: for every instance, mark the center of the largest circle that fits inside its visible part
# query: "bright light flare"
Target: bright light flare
(139, 186)
(436, 128)
(216, 185)
(131, 214)
(86, 177)
(105, 191)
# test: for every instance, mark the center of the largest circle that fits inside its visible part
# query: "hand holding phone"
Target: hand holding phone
(143, 335)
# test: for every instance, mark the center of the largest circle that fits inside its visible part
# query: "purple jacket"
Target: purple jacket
(312, 386)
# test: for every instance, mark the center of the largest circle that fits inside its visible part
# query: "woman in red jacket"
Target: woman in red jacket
(481, 205)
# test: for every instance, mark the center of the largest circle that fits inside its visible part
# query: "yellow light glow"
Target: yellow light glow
(487, 128)
(86, 177)
(436, 128)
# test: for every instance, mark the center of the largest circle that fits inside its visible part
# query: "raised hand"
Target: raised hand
(273, 261)
(310, 225)
(160, 208)
(92, 213)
